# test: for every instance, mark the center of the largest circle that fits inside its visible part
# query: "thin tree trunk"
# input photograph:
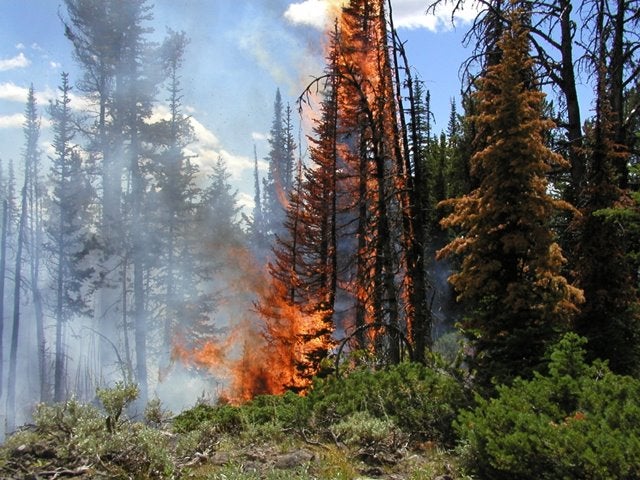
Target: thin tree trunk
(420, 319)
(140, 325)
(59, 377)
(125, 320)
(35, 241)
(3, 265)
(568, 86)
(13, 354)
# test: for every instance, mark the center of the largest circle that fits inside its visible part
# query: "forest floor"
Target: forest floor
(324, 461)
(288, 457)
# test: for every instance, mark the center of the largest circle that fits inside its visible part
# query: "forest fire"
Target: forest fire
(294, 315)
(169, 239)
(264, 352)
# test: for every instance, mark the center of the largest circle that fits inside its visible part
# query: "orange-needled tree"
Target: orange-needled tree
(511, 269)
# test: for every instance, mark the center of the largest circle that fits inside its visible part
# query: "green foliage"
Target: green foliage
(281, 411)
(155, 415)
(114, 400)
(361, 428)
(448, 347)
(289, 410)
(71, 426)
(71, 432)
(416, 398)
(511, 272)
(190, 420)
(578, 421)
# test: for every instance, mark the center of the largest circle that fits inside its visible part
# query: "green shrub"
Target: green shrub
(416, 398)
(578, 421)
(224, 418)
(115, 400)
(155, 415)
(361, 428)
(282, 411)
(72, 433)
(289, 410)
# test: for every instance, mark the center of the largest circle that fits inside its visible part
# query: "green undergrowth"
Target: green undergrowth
(573, 420)
(576, 420)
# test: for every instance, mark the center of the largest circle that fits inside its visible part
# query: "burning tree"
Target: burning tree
(338, 264)
(362, 184)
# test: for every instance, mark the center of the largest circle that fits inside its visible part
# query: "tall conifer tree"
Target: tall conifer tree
(511, 267)
(67, 230)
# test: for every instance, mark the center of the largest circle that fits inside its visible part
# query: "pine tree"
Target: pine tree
(278, 183)
(121, 74)
(34, 229)
(220, 206)
(68, 231)
(3, 276)
(256, 222)
(11, 198)
(511, 266)
(204, 254)
(178, 197)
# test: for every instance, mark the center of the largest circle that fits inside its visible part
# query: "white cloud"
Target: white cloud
(412, 14)
(206, 138)
(55, 65)
(207, 147)
(308, 12)
(19, 61)
(409, 14)
(20, 46)
(16, 120)
(259, 137)
(12, 121)
(236, 164)
(12, 92)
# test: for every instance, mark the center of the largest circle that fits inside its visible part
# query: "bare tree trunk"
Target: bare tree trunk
(13, 354)
(419, 313)
(140, 325)
(568, 86)
(59, 376)
(34, 218)
(3, 265)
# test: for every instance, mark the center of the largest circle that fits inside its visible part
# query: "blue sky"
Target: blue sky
(240, 52)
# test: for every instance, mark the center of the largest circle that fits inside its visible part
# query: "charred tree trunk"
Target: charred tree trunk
(361, 265)
(617, 93)
(567, 84)
(413, 212)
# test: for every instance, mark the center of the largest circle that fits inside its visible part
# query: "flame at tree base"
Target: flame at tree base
(276, 346)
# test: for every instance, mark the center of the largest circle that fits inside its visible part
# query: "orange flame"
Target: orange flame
(263, 353)
(269, 350)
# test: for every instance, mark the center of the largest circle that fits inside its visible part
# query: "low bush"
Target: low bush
(418, 399)
(224, 418)
(282, 411)
(73, 435)
(361, 428)
(577, 421)
(289, 410)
